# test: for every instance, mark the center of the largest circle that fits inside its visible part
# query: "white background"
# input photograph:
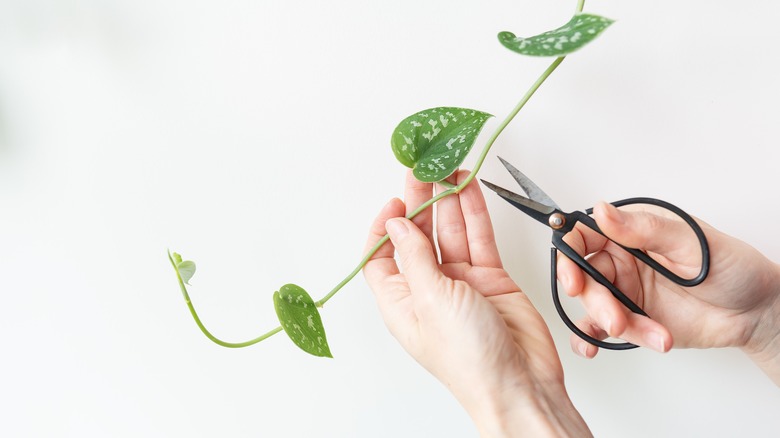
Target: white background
(253, 137)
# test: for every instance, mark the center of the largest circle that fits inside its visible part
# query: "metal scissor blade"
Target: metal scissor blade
(530, 207)
(532, 190)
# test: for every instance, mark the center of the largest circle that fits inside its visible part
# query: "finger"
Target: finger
(584, 241)
(645, 332)
(602, 307)
(642, 331)
(451, 228)
(611, 316)
(382, 264)
(620, 269)
(482, 246)
(583, 347)
(570, 275)
(418, 261)
(670, 238)
(417, 193)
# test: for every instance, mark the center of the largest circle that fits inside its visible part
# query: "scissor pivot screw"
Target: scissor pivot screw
(557, 221)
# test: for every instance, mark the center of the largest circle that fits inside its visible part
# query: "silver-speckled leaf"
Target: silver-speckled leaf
(579, 31)
(300, 319)
(435, 142)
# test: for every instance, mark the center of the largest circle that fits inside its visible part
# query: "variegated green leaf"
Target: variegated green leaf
(579, 31)
(435, 142)
(300, 319)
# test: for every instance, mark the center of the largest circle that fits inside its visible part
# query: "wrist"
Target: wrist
(533, 409)
(764, 347)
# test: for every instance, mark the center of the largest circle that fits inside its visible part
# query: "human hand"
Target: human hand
(738, 305)
(464, 319)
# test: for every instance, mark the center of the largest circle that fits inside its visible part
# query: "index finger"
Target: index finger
(382, 263)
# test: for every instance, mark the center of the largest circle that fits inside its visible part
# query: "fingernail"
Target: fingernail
(396, 228)
(583, 348)
(656, 341)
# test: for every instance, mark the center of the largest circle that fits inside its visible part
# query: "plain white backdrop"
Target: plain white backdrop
(253, 137)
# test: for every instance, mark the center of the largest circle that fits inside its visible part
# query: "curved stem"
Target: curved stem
(450, 191)
(203, 327)
(229, 344)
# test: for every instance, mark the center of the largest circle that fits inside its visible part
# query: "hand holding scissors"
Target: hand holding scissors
(542, 208)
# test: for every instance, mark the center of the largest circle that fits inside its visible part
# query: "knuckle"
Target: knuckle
(452, 228)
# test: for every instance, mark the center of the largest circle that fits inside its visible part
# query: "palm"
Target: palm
(488, 315)
(519, 325)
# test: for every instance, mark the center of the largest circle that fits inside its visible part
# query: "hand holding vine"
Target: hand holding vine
(464, 319)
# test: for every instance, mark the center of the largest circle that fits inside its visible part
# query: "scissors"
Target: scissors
(540, 207)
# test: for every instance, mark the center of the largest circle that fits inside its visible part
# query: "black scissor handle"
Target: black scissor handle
(569, 323)
(705, 248)
(567, 250)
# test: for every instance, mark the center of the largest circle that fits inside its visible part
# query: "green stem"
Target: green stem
(459, 187)
(509, 118)
(462, 185)
(450, 191)
(447, 184)
(384, 239)
(203, 328)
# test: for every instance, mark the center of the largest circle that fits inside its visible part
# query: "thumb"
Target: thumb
(647, 231)
(417, 260)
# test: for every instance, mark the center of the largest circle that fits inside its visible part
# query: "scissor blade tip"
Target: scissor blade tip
(488, 183)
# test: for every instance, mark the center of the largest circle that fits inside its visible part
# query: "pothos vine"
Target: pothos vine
(434, 143)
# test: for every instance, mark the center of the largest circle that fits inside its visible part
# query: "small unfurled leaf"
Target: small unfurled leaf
(435, 142)
(579, 31)
(301, 320)
(185, 269)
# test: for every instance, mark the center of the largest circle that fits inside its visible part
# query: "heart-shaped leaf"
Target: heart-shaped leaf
(579, 31)
(186, 268)
(435, 142)
(300, 319)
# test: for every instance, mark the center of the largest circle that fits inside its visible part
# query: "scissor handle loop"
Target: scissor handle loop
(705, 248)
(566, 320)
(588, 221)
